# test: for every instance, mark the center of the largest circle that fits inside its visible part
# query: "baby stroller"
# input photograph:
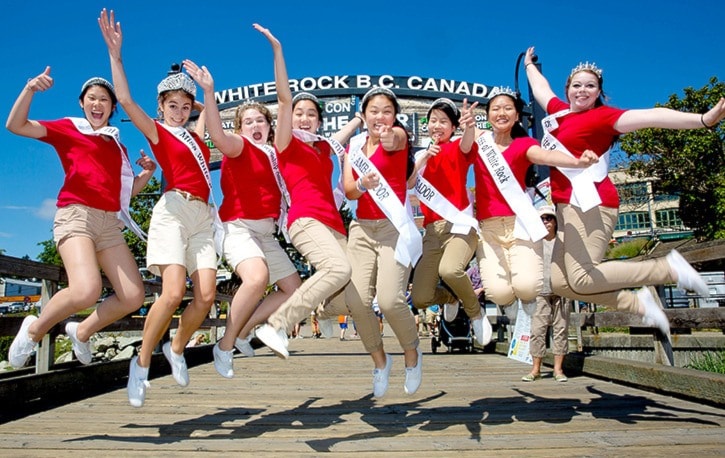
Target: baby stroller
(455, 335)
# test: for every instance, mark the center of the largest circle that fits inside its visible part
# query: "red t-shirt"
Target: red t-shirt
(592, 129)
(181, 170)
(448, 171)
(249, 187)
(489, 200)
(307, 172)
(392, 165)
(92, 166)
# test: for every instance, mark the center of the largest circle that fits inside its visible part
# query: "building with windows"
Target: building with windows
(645, 213)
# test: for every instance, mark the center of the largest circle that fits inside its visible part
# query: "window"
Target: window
(668, 218)
(633, 221)
(632, 193)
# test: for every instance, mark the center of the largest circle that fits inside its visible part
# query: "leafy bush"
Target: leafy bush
(626, 250)
(709, 362)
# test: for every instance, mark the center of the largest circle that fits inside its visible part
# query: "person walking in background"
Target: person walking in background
(181, 237)
(249, 168)
(314, 222)
(509, 264)
(384, 243)
(97, 189)
(342, 321)
(551, 310)
(587, 203)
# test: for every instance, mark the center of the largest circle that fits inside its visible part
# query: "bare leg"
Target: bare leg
(195, 313)
(173, 279)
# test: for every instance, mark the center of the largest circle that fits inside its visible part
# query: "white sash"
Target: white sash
(584, 192)
(185, 137)
(462, 220)
(409, 246)
(338, 193)
(285, 201)
(528, 223)
(127, 175)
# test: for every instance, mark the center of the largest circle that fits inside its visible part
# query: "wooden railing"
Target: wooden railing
(51, 277)
(61, 382)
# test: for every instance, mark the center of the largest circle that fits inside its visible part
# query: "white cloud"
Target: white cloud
(47, 210)
(5, 235)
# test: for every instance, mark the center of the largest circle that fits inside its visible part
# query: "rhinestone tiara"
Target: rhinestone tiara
(177, 81)
(588, 67)
(445, 101)
(502, 90)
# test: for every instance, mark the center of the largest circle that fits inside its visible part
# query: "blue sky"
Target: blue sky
(648, 50)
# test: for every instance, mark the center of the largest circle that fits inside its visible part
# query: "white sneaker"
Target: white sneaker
(653, 314)
(414, 375)
(137, 383)
(82, 350)
(327, 328)
(223, 361)
(244, 346)
(178, 365)
(380, 378)
(22, 346)
(275, 339)
(482, 329)
(450, 311)
(687, 277)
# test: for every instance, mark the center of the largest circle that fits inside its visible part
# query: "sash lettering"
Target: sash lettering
(584, 193)
(409, 246)
(185, 137)
(528, 224)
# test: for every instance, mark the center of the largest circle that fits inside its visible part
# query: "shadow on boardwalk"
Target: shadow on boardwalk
(318, 401)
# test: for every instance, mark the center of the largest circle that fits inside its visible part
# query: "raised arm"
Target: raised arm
(283, 131)
(113, 37)
(468, 121)
(666, 118)
(343, 135)
(140, 180)
(18, 122)
(229, 144)
(539, 85)
(556, 158)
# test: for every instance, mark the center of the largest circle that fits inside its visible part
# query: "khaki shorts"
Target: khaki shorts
(180, 233)
(77, 220)
(254, 238)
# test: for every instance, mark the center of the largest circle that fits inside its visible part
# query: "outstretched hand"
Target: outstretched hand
(467, 118)
(264, 31)
(111, 31)
(201, 75)
(716, 114)
(529, 58)
(146, 162)
(41, 82)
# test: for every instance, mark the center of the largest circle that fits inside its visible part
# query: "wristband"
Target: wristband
(702, 120)
(360, 186)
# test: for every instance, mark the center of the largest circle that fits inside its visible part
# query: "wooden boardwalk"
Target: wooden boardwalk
(319, 401)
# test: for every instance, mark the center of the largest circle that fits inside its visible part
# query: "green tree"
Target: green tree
(141, 208)
(688, 163)
(49, 255)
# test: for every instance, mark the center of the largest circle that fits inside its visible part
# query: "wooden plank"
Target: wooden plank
(319, 401)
